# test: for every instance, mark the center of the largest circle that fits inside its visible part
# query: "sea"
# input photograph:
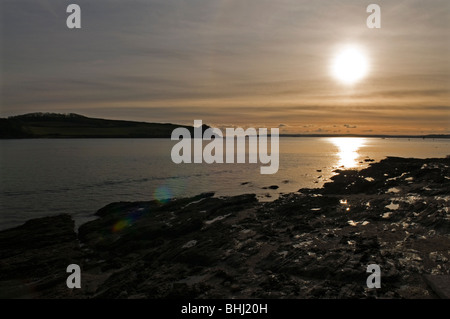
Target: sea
(43, 177)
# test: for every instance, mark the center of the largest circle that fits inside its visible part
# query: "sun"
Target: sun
(350, 65)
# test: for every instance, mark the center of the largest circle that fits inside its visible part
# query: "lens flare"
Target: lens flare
(163, 194)
(121, 224)
(130, 219)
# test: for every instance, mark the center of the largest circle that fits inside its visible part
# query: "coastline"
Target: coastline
(315, 244)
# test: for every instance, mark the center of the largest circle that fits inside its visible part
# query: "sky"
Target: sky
(247, 63)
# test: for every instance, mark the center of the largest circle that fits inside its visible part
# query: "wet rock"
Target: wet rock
(271, 187)
(35, 257)
(298, 246)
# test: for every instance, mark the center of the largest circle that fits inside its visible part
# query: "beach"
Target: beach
(314, 243)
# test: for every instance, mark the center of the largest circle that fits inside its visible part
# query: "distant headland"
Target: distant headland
(71, 125)
(55, 125)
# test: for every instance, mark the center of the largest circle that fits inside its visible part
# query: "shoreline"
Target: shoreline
(81, 137)
(314, 244)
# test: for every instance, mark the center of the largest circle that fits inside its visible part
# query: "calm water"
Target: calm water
(47, 176)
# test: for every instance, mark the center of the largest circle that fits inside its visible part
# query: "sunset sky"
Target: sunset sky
(250, 63)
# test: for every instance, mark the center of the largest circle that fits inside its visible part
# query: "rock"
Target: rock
(440, 285)
(35, 257)
(301, 245)
(271, 187)
(190, 244)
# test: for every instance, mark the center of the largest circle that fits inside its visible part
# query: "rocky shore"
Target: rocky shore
(316, 243)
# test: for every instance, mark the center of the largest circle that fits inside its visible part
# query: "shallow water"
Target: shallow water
(78, 176)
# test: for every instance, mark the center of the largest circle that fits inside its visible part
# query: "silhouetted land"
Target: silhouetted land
(52, 125)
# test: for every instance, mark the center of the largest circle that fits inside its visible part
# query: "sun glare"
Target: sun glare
(348, 149)
(350, 65)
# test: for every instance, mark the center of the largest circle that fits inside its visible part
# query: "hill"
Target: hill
(55, 125)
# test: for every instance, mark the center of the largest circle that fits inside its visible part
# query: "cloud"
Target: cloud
(233, 61)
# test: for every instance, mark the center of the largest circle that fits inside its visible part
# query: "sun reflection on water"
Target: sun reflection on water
(348, 149)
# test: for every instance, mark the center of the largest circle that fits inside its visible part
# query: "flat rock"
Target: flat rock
(35, 257)
(313, 244)
(440, 284)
